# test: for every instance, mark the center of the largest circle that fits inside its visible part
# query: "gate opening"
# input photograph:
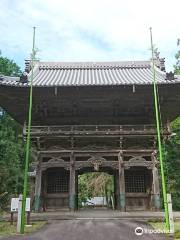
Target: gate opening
(96, 190)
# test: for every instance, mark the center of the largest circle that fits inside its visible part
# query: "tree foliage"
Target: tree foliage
(172, 154)
(11, 145)
(173, 150)
(9, 67)
(177, 56)
(95, 184)
(11, 155)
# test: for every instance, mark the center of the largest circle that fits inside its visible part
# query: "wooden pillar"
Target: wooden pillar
(155, 185)
(122, 197)
(76, 189)
(31, 189)
(155, 188)
(38, 188)
(117, 190)
(44, 190)
(72, 184)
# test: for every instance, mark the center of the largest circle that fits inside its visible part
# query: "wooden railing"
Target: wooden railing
(94, 130)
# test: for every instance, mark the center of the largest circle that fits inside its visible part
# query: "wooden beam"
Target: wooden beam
(88, 153)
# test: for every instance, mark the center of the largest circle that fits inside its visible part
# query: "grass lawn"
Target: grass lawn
(6, 229)
(160, 225)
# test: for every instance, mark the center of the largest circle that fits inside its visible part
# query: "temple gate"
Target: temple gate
(94, 117)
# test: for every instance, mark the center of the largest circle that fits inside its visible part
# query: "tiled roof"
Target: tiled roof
(92, 74)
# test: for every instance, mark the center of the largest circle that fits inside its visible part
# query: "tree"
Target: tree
(11, 156)
(172, 154)
(177, 56)
(9, 67)
(172, 151)
(94, 184)
(11, 145)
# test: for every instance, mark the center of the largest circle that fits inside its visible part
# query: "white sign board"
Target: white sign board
(14, 204)
(32, 174)
(171, 220)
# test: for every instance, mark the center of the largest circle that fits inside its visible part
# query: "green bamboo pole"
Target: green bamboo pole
(28, 139)
(159, 138)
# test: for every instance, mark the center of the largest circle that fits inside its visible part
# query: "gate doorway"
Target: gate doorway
(96, 190)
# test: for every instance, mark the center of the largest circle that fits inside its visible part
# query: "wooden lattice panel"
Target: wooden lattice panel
(135, 182)
(57, 183)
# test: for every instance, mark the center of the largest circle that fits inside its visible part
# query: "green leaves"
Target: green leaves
(11, 145)
(94, 184)
(9, 67)
(177, 56)
(11, 156)
(172, 165)
(175, 126)
(173, 149)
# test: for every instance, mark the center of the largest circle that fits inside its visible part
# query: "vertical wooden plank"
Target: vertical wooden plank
(76, 190)
(38, 188)
(155, 184)
(72, 183)
(44, 190)
(12, 218)
(32, 189)
(28, 218)
(155, 188)
(117, 189)
(122, 197)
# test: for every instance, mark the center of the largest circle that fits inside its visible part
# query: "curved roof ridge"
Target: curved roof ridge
(113, 64)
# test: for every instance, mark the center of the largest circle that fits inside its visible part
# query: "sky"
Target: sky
(94, 30)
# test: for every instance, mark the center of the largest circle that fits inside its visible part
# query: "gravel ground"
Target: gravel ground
(90, 230)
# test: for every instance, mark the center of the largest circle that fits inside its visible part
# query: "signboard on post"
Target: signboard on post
(19, 213)
(32, 174)
(15, 202)
(16, 206)
(171, 220)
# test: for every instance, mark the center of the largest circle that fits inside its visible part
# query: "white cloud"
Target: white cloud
(89, 30)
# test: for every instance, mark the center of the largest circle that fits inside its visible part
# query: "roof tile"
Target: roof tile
(91, 74)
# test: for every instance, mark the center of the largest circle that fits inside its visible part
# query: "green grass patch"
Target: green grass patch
(161, 226)
(6, 229)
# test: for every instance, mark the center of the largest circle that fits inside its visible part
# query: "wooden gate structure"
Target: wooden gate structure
(96, 116)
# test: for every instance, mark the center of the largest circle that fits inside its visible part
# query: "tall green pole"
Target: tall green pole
(159, 137)
(28, 138)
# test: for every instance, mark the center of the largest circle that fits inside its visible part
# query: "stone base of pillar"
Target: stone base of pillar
(117, 201)
(156, 201)
(73, 202)
(122, 202)
(36, 203)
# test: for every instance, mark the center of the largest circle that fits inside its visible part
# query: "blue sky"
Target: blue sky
(94, 30)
